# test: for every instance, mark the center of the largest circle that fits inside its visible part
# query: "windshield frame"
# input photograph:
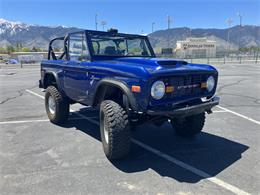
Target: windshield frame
(90, 34)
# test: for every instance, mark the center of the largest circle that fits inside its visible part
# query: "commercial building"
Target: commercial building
(196, 48)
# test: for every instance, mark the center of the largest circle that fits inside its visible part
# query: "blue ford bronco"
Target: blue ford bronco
(119, 75)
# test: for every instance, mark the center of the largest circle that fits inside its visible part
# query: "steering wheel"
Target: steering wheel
(129, 54)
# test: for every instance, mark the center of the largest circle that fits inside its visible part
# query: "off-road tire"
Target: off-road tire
(61, 113)
(189, 126)
(114, 120)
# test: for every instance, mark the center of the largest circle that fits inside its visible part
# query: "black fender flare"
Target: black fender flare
(122, 86)
(55, 75)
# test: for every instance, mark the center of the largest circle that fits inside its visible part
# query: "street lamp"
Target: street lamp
(240, 25)
(169, 21)
(96, 21)
(229, 21)
(153, 23)
(103, 24)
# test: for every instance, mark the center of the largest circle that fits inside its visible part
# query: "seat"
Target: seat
(110, 50)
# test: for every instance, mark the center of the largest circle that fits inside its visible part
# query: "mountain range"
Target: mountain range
(12, 33)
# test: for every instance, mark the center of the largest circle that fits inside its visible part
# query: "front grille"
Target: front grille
(187, 85)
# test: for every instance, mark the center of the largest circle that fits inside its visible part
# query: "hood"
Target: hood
(151, 62)
(150, 67)
(166, 66)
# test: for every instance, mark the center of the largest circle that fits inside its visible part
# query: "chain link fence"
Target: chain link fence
(221, 58)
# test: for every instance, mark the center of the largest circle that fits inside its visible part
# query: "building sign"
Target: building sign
(187, 45)
(196, 48)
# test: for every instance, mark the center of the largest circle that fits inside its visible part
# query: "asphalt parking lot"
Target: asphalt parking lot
(37, 157)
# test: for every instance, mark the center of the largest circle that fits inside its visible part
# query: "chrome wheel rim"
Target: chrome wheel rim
(52, 105)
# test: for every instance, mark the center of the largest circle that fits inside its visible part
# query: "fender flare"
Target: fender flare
(122, 86)
(55, 75)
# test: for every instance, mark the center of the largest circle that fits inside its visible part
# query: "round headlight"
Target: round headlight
(158, 90)
(210, 83)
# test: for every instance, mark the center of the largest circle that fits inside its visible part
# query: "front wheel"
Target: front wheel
(189, 126)
(57, 107)
(114, 130)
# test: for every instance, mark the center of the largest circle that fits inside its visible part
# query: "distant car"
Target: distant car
(12, 61)
(120, 75)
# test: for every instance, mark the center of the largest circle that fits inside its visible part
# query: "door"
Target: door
(76, 74)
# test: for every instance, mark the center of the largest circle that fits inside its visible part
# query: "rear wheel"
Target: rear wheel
(114, 130)
(189, 126)
(57, 107)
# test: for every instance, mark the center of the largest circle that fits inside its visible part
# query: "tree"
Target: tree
(3, 50)
(56, 49)
(10, 49)
(25, 49)
(34, 49)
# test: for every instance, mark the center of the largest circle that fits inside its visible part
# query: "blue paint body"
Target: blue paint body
(79, 80)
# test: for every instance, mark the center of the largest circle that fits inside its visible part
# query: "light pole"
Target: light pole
(240, 28)
(153, 23)
(103, 24)
(96, 21)
(229, 21)
(169, 21)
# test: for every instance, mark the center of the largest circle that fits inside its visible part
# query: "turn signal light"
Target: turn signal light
(203, 85)
(136, 88)
(169, 89)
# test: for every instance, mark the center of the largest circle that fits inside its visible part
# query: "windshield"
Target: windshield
(105, 45)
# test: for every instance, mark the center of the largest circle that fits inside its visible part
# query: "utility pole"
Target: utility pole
(153, 23)
(169, 21)
(229, 21)
(240, 28)
(103, 24)
(96, 21)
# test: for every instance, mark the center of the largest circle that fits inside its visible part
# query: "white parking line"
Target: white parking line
(219, 111)
(177, 162)
(192, 169)
(36, 94)
(240, 115)
(33, 121)
(25, 121)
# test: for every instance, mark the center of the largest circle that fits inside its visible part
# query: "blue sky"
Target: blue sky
(131, 16)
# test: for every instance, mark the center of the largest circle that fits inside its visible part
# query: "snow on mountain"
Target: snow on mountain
(13, 33)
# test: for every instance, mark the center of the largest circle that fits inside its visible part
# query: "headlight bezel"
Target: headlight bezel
(156, 84)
